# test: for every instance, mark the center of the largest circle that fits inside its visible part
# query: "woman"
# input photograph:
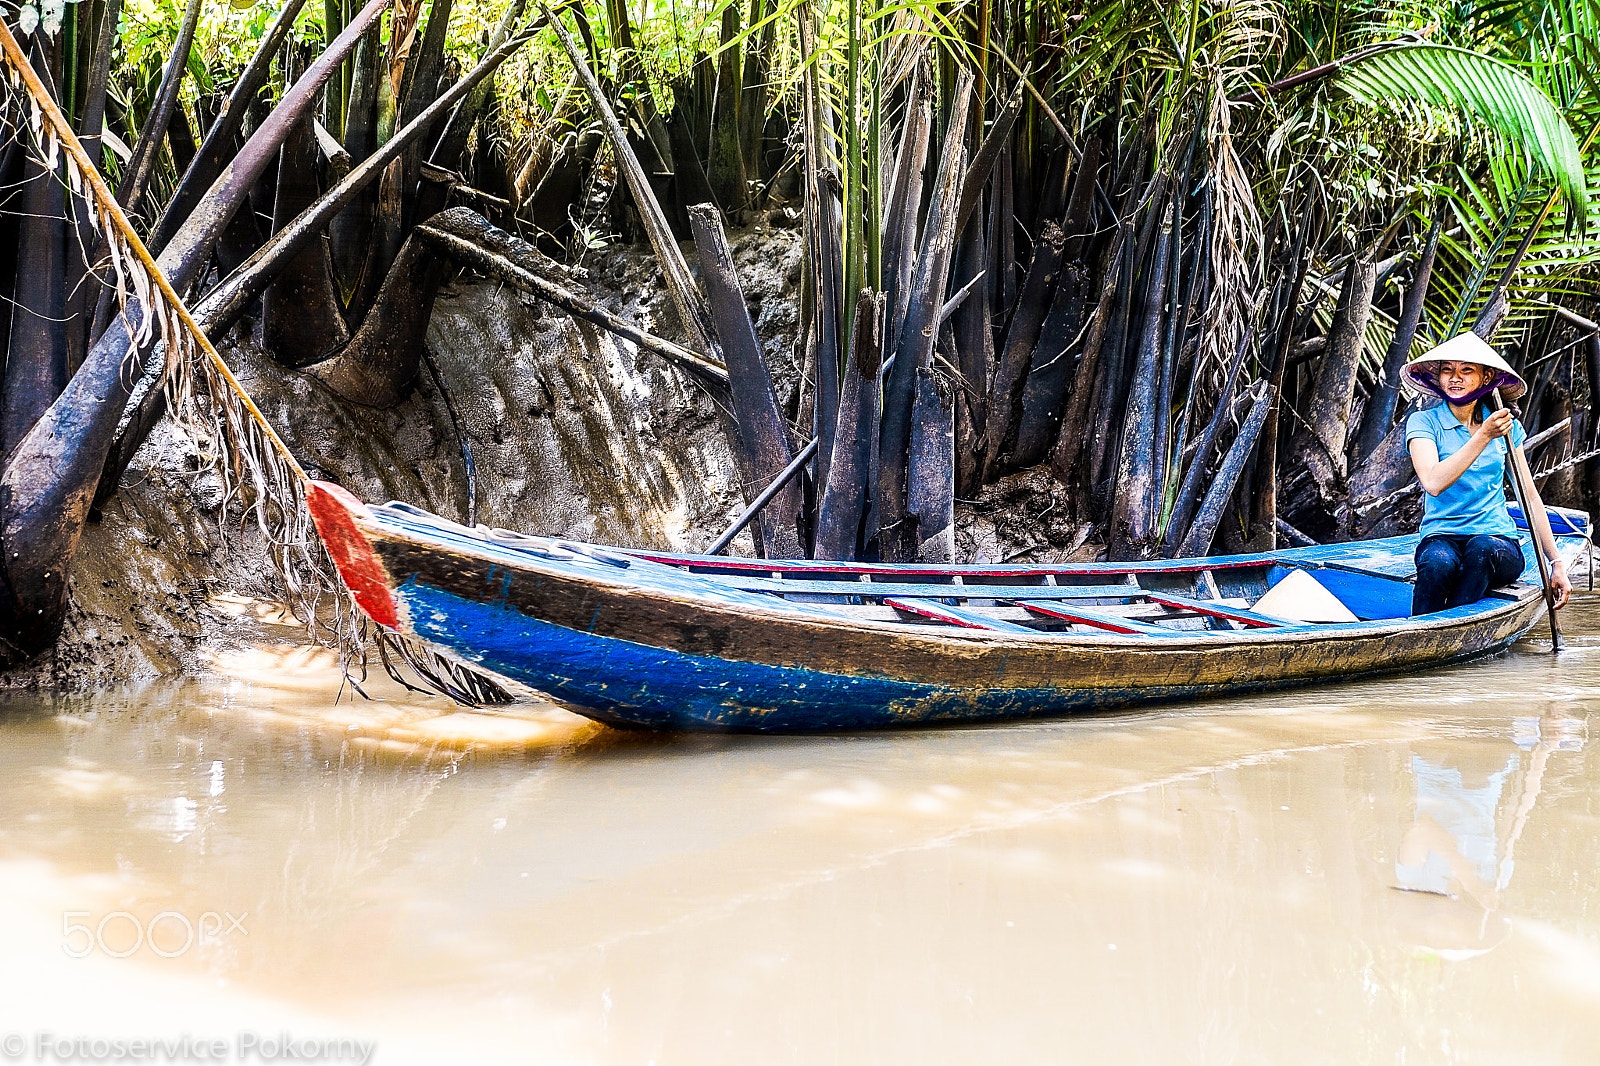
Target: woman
(1469, 543)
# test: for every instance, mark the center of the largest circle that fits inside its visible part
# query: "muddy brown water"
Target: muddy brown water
(1405, 871)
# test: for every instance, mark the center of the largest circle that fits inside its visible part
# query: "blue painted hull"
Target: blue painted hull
(632, 685)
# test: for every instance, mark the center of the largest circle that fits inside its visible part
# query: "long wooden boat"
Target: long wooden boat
(666, 641)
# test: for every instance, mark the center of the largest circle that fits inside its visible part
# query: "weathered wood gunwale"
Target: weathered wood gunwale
(639, 639)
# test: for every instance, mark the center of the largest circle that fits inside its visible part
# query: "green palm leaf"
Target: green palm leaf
(1495, 95)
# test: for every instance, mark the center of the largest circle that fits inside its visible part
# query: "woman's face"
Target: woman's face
(1459, 380)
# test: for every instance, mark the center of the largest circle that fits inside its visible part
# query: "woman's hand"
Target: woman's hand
(1560, 584)
(1496, 425)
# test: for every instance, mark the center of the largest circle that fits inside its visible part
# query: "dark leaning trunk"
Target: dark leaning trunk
(1188, 497)
(1111, 383)
(1380, 410)
(753, 92)
(727, 155)
(380, 363)
(94, 100)
(1042, 395)
(349, 233)
(383, 242)
(137, 175)
(1133, 520)
(1067, 460)
(914, 349)
(1372, 509)
(1318, 450)
(301, 321)
(11, 222)
(974, 345)
(900, 214)
(930, 494)
(763, 439)
(219, 144)
(1264, 481)
(1021, 338)
(1204, 530)
(842, 511)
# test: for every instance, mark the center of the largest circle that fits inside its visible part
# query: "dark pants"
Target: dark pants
(1453, 570)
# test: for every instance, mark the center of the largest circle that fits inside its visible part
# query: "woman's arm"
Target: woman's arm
(1438, 474)
(1539, 522)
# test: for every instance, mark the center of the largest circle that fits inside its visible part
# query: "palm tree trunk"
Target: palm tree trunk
(898, 538)
(36, 361)
(218, 143)
(841, 515)
(378, 366)
(1033, 303)
(301, 320)
(1380, 409)
(763, 444)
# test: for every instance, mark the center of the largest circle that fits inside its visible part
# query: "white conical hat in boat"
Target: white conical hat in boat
(1421, 375)
(1299, 597)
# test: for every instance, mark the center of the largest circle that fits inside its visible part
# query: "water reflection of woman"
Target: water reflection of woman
(1461, 842)
(1453, 840)
(1469, 543)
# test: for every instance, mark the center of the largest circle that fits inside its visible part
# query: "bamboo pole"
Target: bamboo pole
(1521, 491)
(785, 476)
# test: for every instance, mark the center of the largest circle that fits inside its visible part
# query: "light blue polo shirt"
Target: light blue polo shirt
(1476, 503)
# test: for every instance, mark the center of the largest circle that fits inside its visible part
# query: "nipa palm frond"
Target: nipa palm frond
(1491, 93)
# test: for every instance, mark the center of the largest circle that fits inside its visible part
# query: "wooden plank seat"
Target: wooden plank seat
(917, 590)
(1121, 608)
(873, 611)
(1104, 620)
(1220, 610)
(955, 615)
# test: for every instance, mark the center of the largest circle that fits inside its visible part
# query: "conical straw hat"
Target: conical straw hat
(1300, 597)
(1421, 375)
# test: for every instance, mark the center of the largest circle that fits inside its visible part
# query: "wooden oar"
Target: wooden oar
(1521, 491)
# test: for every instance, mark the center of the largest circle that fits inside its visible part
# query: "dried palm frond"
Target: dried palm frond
(1236, 247)
(1242, 32)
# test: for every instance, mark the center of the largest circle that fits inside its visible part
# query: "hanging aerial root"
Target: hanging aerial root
(440, 673)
